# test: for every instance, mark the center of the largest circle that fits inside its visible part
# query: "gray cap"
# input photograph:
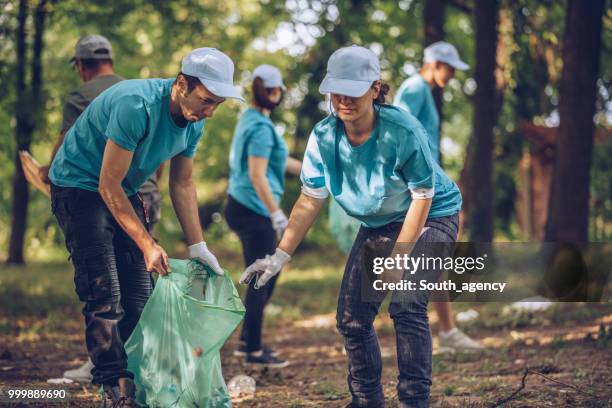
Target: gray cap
(350, 71)
(442, 51)
(93, 46)
(270, 75)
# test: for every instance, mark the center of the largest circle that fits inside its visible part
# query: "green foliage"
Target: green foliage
(150, 38)
(39, 290)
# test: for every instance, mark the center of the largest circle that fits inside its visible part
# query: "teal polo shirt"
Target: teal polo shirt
(135, 114)
(255, 136)
(415, 96)
(373, 181)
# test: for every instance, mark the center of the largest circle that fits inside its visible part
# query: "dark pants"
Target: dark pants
(357, 309)
(258, 239)
(110, 276)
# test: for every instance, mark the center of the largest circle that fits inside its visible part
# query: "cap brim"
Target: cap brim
(221, 89)
(274, 85)
(73, 59)
(460, 65)
(347, 87)
(281, 85)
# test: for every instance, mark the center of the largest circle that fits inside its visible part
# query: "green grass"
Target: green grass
(449, 390)
(329, 391)
(37, 289)
(308, 286)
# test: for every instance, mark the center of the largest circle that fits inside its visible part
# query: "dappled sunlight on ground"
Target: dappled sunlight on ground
(318, 321)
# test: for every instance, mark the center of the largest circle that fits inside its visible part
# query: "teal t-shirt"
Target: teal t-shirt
(415, 96)
(255, 136)
(373, 181)
(135, 114)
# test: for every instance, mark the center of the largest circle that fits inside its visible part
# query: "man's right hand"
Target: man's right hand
(264, 269)
(43, 173)
(156, 259)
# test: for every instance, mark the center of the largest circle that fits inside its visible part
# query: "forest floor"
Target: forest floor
(558, 357)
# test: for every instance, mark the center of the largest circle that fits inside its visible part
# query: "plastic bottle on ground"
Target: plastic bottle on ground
(241, 385)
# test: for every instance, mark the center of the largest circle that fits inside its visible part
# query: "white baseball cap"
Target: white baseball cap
(214, 69)
(270, 75)
(442, 51)
(350, 71)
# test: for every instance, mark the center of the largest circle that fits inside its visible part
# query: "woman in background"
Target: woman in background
(258, 161)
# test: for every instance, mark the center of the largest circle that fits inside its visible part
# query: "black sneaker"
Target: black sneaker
(120, 395)
(241, 350)
(264, 359)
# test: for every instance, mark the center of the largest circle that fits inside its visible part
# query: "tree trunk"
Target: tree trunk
(568, 210)
(352, 15)
(22, 133)
(37, 81)
(479, 188)
(433, 16)
(27, 112)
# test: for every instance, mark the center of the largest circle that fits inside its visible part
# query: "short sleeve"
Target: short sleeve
(70, 114)
(410, 99)
(312, 176)
(192, 147)
(260, 142)
(127, 122)
(417, 166)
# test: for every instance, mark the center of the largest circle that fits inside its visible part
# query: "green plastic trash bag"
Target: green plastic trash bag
(343, 227)
(174, 349)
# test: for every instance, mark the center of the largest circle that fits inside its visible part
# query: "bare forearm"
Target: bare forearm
(294, 166)
(184, 200)
(303, 215)
(264, 192)
(415, 221)
(121, 208)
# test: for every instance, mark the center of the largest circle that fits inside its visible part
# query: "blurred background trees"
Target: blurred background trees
(526, 131)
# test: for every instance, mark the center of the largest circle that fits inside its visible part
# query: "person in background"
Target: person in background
(374, 160)
(440, 61)
(93, 61)
(152, 198)
(114, 146)
(258, 162)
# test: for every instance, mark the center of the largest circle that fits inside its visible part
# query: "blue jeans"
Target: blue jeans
(358, 305)
(109, 275)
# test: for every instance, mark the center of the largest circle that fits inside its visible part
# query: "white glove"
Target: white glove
(200, 252)
(266, 268)
(279, 222)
